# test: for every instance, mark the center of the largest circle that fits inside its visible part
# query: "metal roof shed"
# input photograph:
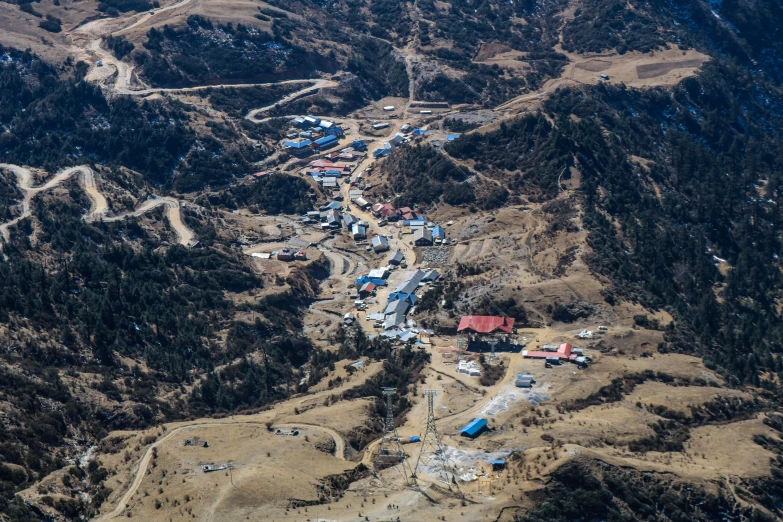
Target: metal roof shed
(326, 141)
(497, 464)
(398, 306)
(474, 428)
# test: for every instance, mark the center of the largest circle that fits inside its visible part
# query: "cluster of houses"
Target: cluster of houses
(401, 301)
(331, 217)
(425, 233)
(328, 217)
(400, 138)
(286, 254)
(311, 133)
(554, 354)
(328, 170)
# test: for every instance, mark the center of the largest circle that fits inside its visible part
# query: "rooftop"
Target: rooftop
(486, 324)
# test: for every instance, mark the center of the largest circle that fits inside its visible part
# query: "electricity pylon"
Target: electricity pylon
(390, 451)
(431, 448)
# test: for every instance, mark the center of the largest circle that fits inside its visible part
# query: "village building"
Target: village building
(430, 276)
(325, 142)
(367, 289)
(380, 244)
(378, 273)
(474, 428)
(359, 231)
(406, 290)
(286, 254)
(361, 203)
(332, 219)
(483, 333)
(564, 352)
(422, 237)
(438, 234)
(396, 258)
(397, 306)
(297, 148)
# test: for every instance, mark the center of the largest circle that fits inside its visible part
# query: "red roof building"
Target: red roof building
(565, 350)
(322, 163)
(383, 209)
(486, 324)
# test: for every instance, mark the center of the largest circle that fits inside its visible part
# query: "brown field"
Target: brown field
(594, 65)
(653, 70)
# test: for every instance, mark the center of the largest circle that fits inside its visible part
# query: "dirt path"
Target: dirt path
(93, 32)
(99, 206)
(316, 86)
(173, 214)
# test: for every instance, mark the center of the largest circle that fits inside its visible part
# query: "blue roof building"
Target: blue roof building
(474, 428)
(452, 137)
(497, 464)
(359, 145)
(297, 145)
(419, 132)
(418, 220)
(400, 296)
(364, 279)
(438, 232)
(326, 141)
(381, 153)
(334, 172)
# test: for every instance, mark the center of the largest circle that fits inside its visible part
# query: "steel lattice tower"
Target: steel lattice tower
(390, 450)
(431, 448)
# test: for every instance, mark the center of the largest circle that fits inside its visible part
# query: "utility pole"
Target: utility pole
(431, 448)
(390, 451)
(231, 472)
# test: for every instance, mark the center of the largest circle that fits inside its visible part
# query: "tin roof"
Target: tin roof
(486, 324)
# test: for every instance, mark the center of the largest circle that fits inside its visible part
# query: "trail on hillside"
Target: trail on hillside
(99, 207)
(94, 32)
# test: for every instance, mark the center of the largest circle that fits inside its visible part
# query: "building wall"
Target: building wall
(485, 347)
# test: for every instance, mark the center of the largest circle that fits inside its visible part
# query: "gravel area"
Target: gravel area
(435, 255)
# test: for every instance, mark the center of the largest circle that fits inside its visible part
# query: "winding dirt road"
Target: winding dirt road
(145, 460)
(99, 206)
